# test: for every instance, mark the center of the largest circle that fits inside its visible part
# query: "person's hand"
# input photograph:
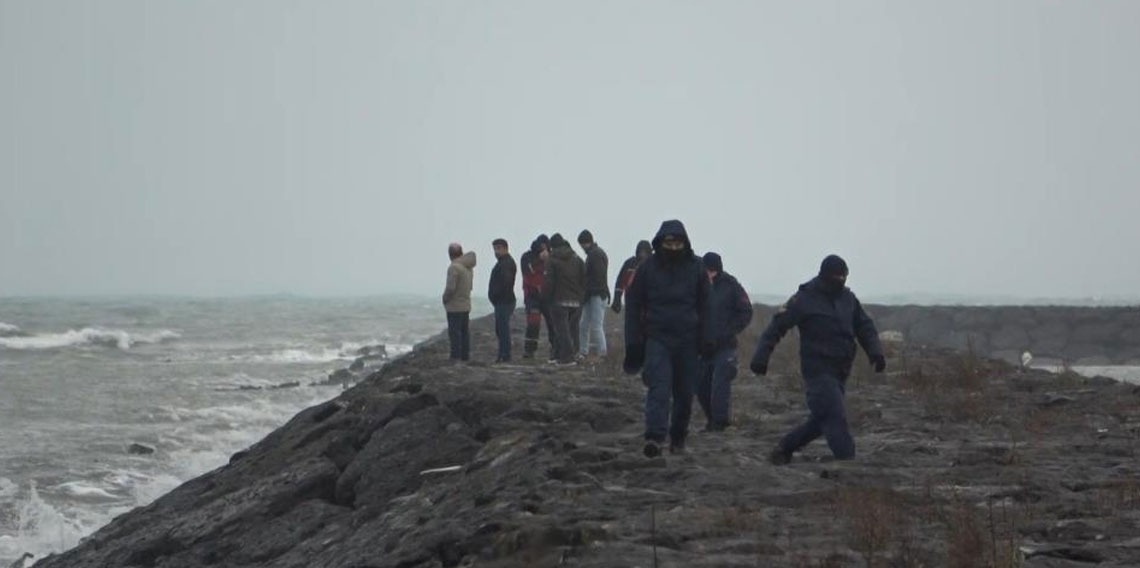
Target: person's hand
(616, 306)
(879, 363)
(634, 358)
(759, 367)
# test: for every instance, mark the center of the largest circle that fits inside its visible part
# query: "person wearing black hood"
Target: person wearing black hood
(729, 312)
(501, 292)
(628, 269)
(665, 305)
(532, 264)
(564, 287)
(830, 319)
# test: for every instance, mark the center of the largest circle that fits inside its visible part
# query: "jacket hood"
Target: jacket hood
(467, 260)
(675, 228)
(643, 246)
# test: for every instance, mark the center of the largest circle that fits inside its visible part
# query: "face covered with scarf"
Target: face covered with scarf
(833, 275)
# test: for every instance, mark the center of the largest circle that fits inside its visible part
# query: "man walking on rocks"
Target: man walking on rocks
(664, 309)
(830, 319)
(564, 286)
(593, 326)
(628, 269)
(729, 312)
(457, 301)
(501, 292)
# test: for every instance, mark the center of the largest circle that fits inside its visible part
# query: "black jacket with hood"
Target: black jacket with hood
(666, 300)
(729, 311)
(564, 282)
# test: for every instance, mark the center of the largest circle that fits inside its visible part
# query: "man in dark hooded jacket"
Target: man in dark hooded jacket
(830, 319)
(628, 269)
(664, 308)
(728, 312)
(564, 287)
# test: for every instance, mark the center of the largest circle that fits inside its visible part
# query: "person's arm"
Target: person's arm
(635, 297)
(786, 317)
(741, 311)
(452, 283)
(869, 337)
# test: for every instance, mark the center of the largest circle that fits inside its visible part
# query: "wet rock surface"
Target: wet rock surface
(962, 462)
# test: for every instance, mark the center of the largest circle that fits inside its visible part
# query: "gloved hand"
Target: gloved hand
(708, 349)
(879, 363)
(634, 358)
(616, 306)
(759, 367)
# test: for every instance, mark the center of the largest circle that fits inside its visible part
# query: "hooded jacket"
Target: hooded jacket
(501, 287)
(460, 275)
(565, 280)
(532, 268)
(666, 300)
(629, 268)
(829, 325)
(729, 311)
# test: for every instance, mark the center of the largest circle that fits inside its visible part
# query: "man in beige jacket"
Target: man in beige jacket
(457, 301)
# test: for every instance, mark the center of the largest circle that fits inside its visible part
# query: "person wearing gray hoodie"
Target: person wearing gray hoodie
(457, 300)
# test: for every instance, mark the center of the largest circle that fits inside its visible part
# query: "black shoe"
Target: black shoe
(677, 448)
(779, 457)
(712, 428)
(652, 449)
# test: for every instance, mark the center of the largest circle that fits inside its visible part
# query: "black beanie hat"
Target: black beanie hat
(713, 262)
(556, 240)
(645, 246)
(585, 237)
(833, 266)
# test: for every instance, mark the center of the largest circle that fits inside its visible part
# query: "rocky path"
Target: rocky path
(963, 462)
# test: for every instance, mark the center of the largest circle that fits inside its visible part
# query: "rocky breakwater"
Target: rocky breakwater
(963, 462)
(1053, 334)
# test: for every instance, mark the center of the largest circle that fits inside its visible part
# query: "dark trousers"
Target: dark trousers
(459, 335)
(503, 313)
(670, 373)
(566, 319)
(535, 314)
(825, 384)
(714, 387)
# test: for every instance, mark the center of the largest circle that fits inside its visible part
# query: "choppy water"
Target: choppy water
(81, 380)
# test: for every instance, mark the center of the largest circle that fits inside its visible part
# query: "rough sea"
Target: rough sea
(195, 379)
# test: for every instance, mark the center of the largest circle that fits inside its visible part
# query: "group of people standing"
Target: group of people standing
(682, 316)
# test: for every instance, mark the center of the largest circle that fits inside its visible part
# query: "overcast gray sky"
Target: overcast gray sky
(220, 147)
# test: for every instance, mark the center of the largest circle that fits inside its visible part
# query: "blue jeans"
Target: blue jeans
(670, 372)
(592, 330)
(825, 384)
(503, 313)
(714, 388)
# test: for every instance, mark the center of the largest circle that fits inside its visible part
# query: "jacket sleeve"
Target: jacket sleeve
(741, 310)
(703, 305)
(621, 275)
(866, 332)
(786, 317)
(452, 283)
(635, 297)
(548, 283)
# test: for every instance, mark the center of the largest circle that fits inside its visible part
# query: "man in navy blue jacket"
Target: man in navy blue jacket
(664, 309)
(830, 319)
(728, 312)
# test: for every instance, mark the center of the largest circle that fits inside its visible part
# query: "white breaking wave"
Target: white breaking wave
(7, 328)
(88, 336)
(346, 352)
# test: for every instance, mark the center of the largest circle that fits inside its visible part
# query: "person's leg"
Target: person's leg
(720, 395)
(585, 327)
(833, 422)
(704, 390)
(686, 366)
(465, 325)
(658, 375)
(533, 324)
(550, 335)
(454, 339)
(562, 347)
(599, 323)
(510, 315)
(575, 317)
(502, 331)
